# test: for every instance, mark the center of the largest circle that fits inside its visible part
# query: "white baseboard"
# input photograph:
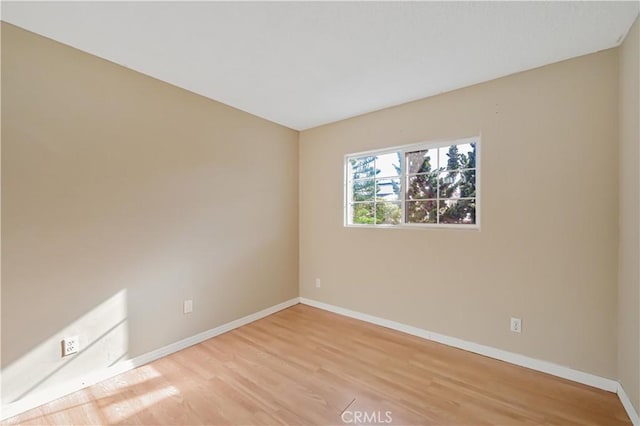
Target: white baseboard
(41, 398)
(628, 406)
(38, 399)
(510, 357)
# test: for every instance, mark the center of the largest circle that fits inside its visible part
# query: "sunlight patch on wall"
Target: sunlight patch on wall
(103, 341)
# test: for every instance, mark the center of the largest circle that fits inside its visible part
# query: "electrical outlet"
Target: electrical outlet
(516, 325)
(318, 285)
(70, 345)
(188, 306)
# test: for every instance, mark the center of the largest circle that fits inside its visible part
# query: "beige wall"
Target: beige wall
(629, 248)
(121, 197)
(547, 247)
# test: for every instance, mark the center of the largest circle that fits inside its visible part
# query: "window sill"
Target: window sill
(475, 227)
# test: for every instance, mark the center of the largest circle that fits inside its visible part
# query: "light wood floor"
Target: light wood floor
(306, 366)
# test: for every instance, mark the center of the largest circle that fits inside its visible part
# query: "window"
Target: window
(428, 185)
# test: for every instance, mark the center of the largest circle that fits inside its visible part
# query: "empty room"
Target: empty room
(320, 213)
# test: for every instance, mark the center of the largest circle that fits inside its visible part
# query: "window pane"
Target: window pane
(388, 189)
(458, 211)
(455, 157)
(362, 167)
(388, 165)
(449, 183)
(364, 190)
(469, 152)
(363, 213)
(421, 211)
(422, 161)
(449, 157)
(388, 213)
(422, 187)
(468, 184)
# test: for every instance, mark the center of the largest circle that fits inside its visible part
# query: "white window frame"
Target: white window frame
(403, 149)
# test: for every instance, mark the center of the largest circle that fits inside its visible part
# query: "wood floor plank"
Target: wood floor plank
(306, 366)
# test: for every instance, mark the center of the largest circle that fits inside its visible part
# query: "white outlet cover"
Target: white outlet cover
(188, 306)
(318, 283)
(516, 325)
(70, 345)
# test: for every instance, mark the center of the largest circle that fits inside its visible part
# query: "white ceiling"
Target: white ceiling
(303, 64)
